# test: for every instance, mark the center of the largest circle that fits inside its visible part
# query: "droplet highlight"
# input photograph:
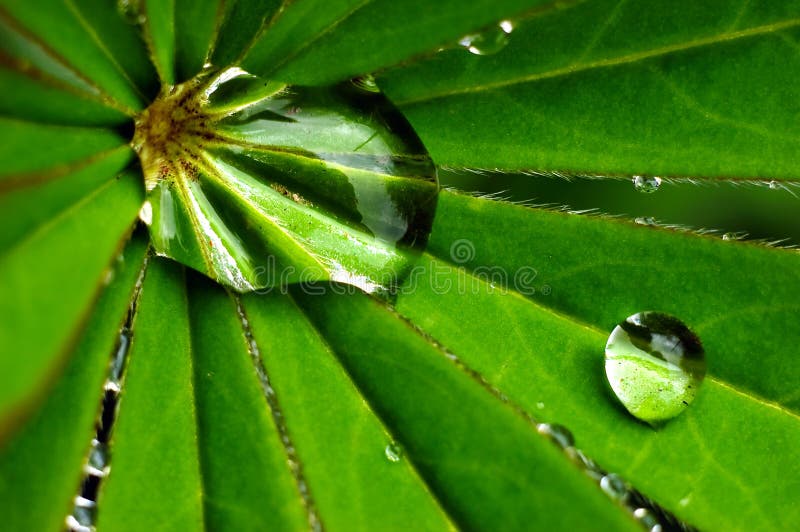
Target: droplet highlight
(393, 451)
(655, 365)
(646, 184)
(615, 487)
(489, 41)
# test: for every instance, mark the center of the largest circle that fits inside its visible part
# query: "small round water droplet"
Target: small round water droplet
(393, 452)
(83, 515)
(654, 365)
(558, 434)
(730, 236)
(97, 465)
(616, 488)
(645, 220)
(646, 518)
(489, 41)
(366, 83)
(131, 11)
(646, 184)
(774, 185)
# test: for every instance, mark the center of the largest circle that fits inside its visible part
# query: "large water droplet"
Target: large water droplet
(393, 451)
(259, 185)
(646, 184)
(654, 365)
(489, 41)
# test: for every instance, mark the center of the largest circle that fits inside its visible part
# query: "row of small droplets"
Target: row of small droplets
(97, 465)
(651, 516)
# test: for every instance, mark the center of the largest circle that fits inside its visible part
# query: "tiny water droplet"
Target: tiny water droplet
(131, 11)
(558, 434)
(393, 452)
(97, 465)
(646, 184)
(654, 365)
(774, 185)
(366, 83)
(490, 41)
(646, 518)
(83, 515)
(642, 220)
(730, 236)
(616, 488)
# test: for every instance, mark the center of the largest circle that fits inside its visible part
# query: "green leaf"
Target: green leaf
(236, 431)
(68, 148)
(476, 453)
(340, 443)
(551, 345)
(158, 28)
(26, 208)
(57, 437)
(241, 22)
(156, 480)
(195, 27)
(318, 42)
(65, 37)
(609, 88)
(50, 279)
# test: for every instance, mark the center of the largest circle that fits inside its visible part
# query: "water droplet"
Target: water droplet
(646, 184)
(646, 518)
(97, 465)
(730, 236)
(490, 41)
(393, 452)
(654, 365)
(259, 185)
(774, 185)
(645, 220)
(558, 434)
(131, 11)
(83, 515)
(615, 487)
(366, 83)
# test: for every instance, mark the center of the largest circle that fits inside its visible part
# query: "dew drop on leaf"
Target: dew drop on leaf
(654, 365)
(83, 515)
(646, 184)
(97, 464)
(645, 220)
(558, 434)
(131, 11)
(393, 452)
(258, 185)
(489, 41)
(647, 519)
(729, 236)
(615, 487)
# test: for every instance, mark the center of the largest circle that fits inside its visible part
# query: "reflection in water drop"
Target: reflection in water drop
(259, 185)
(654, 365)
(393, 452)
(646, 184)
(489, 41)
(645, 220)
